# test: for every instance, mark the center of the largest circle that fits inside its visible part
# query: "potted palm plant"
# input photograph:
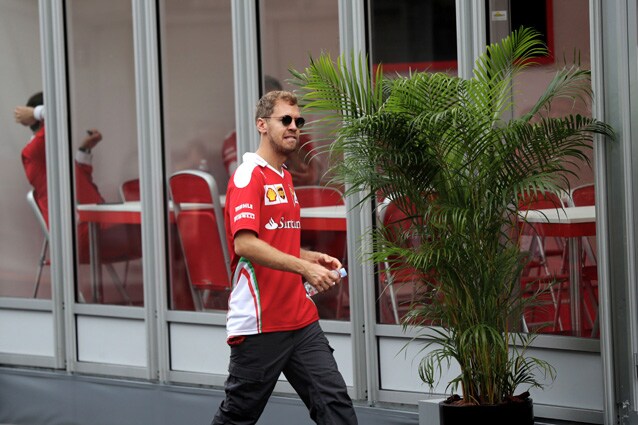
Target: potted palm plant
(439, 146)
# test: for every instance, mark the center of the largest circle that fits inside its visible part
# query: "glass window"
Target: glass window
(561, 26)
(103, 143)
(414, 35)
(291, 32)
(23, 249)
(408, 36)
(565, 28)
(199, 123)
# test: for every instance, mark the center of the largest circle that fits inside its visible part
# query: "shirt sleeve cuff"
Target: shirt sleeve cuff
(83, 157)
(38, 112)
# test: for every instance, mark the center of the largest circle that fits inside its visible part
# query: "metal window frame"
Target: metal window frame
(51, 33)
(245, 72)
(152, 182)
(615, 79)
(600, 181)
(59, 181)
(352, 41)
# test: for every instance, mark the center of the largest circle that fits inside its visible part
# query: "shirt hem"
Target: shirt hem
(283, 329)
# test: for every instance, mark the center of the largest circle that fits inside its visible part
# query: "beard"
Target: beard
(281, 148)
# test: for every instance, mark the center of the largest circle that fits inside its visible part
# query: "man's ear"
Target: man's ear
(262, 126)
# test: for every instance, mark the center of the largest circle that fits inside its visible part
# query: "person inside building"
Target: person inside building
(118, 242)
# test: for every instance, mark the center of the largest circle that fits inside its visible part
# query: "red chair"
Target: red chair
(581, 196)
(130, 190)
(540, 249)
(200, 226)
(318, 196)
(545, 273)
(120, 284)
(43, 261)
(332, 243)
(585, 195)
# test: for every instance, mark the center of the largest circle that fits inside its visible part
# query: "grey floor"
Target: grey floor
(38, 397)
(55, 398)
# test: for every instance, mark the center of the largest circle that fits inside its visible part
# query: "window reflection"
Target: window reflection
(414, 36)
(562, 24)
(23, 239)
(199, 114)
(104, 145)
(408, 36)
(565, 27)
(290, 33)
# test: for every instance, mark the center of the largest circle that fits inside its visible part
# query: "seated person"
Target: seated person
(118, 242)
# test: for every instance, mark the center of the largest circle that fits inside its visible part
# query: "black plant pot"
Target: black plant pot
(518, 413)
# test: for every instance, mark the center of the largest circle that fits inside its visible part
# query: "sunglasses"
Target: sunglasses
(286, 120)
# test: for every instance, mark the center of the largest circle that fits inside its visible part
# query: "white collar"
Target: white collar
(255, 158)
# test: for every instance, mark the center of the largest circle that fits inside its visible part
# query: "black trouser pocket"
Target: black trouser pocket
(246, 373)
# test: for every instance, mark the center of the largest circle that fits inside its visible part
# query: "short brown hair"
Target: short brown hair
(266, 104)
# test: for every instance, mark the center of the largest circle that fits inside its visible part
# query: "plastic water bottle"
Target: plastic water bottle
(311, 290)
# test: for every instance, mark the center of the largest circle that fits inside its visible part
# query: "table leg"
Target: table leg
(96, 265)
(574, 284)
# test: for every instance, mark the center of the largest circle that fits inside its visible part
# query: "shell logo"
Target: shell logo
(271, 194)
(274, 194)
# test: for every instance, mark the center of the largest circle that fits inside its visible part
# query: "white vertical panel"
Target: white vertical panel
(399, 366)
(199, 348)
(203, 349)
(26, 332)
(342, 344)
(578, 383)
(111, 341)
(579, 380)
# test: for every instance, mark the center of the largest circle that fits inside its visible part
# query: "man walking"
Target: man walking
(272, 323)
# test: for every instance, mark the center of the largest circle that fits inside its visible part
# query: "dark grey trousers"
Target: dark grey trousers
(305, 358)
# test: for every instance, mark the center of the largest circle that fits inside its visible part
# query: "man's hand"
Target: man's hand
(320, 258)
(91, 140)
(321, 278)
(319, 270)
(322, 273)
(24, 115)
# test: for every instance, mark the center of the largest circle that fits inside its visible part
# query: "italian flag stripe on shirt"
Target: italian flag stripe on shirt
(246, 293)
